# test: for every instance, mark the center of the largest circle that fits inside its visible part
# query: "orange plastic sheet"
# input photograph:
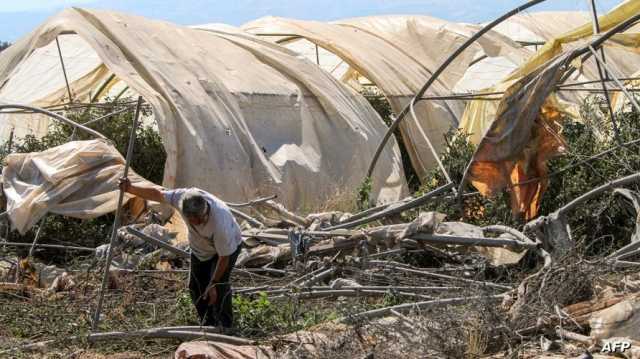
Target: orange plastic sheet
(526, 133)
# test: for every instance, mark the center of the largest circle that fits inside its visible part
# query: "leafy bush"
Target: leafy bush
(607, 220)
(364, 194)
(185, 312)
(260, 317)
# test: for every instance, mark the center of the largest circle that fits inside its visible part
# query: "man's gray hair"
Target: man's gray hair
(193, 204)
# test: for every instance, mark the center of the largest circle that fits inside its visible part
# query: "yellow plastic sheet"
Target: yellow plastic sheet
(553, 47)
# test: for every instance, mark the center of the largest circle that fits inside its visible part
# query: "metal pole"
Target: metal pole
(120, 93)
(35, 239)
(431, 148)
(116, 222)
(601, 74)
(157, 242)
(615, 79)
(471, 241)
(106, 116)
(317, 55)
(54, 116)
(64, 70)
(10, 143)
(573, 84)
(416, 202)
(437, 73)
(51, 246)
(5, 218)
(94, 98)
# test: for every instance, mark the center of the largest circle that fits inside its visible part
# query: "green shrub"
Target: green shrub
(185, 312)
(259, 317)
(364, 194)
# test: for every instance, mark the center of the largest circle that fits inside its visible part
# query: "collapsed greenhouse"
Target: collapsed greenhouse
(390, 223)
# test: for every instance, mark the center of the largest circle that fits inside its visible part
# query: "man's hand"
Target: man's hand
(212, 294)
(125, 184)
(148, 193)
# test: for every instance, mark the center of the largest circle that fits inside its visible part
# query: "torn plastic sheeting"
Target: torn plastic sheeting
(518, 143)
(398, 53)
(78, 179)
(540, 26)
(263, 254)
(479, 114)
(496, 256)
(430, 41)
(515, 146)
(619, 320)
(634, 198)
(211, 349)
(308, 343)
(39, 82)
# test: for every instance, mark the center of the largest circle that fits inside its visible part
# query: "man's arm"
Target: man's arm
(148, 193)
(221, 267)
(225, 230)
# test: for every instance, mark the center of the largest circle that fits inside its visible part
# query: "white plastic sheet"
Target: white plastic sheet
(78, 179)
(398, 55)
(238, 116)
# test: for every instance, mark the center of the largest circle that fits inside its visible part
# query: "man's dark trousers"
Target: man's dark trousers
(199, 278)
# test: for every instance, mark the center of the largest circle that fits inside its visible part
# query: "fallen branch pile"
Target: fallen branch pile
(374, 267)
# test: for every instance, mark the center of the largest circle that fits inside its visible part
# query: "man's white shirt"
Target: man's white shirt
(220, 234)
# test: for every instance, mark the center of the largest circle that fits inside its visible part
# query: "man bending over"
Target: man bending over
(214, 238)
